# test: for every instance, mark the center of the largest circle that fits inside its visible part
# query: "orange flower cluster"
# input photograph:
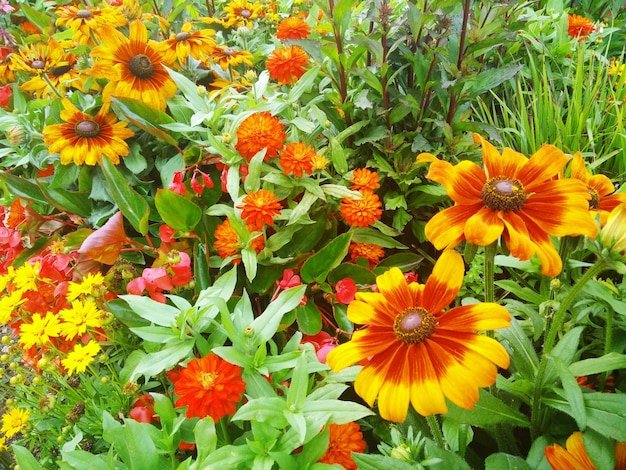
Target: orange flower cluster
(367, 210)
(343, 440)
(579, 27)
(369, 251)
(227, 242)
(293, 28)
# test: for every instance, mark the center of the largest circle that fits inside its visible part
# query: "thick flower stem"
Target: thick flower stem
(435, 430)
(537, 413)
(488, 275)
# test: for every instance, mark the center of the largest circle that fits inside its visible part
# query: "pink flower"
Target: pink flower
(323, 344)
(345, 291)
(5, 7)
(153, 280)
(290, 279)
(182, 270)
(178, 185)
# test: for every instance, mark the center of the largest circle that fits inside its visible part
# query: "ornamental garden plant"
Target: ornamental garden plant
(309, 234)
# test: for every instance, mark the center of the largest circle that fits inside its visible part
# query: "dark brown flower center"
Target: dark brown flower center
(83, 14)
(183, 36)
(245, 13)
(141, 66)
(595, 198)
(38, 64)
(503, 194)
(414, 325)
(60, 70)
(87, 128)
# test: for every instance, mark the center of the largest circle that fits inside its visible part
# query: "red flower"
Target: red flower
(5, 95)
(323, 344)
(345, 291)
(154, 280)
(143, 409)
(182, 270)
(209, 386)
(178, 185)
(198, 187)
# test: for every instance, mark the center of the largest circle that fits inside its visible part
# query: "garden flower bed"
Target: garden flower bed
(308, 234)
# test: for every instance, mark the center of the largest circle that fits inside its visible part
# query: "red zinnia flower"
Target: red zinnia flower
(344, 439)
(287, 64)
(260, 208)
(209, 386)
(260, 131)
(579, 27)
(293, 28)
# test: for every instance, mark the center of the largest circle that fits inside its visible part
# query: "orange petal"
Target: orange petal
(484, 227)
(495, 164)
(517, 238)
(578, 169)
(576, 446)
(375, 373)
(545, 164)
(426, 395)
(444, 282)
(446, 228)
(475, 317)
(463, 182)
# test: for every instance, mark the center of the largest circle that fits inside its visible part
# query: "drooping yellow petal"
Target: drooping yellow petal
(426, 395)
(484, 227)
(444, 282)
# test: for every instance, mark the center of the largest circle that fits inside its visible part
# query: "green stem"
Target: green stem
(608, 339)
(488, 275)
(435, 430)
(536, 413)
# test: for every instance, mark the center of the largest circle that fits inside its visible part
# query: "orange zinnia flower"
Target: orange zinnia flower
(227, 242)
(293, 28)
(343, 439)
(134, 67)
(372, 253)
(287, 64)
(297, 158)
(415, 351)
(85, 139)
(603, 196)
(260, 131)
(361, 212)
(579, 27)
(209, 386)
(260, 208)
(363, 178)
(513, 196)
(573, 458)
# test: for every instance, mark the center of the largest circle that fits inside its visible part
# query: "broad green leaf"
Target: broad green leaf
(573, 392)
(41, 19)
(488, 411)
(165, 410)
(25, 459)
(80, 459)
(133, 206)
(67, 201)
(206, 437)
(338, 411)
(154, 334)
(379, 462)
(151, 310)
(309, 318)
(266, 324)
(596, 365)
(177, 211)
(23, 188)
(316, 268)
(145, 117)
(446, 459)
(266, 409)
(304, 83)
(501, 461)
(154, 363)
(491, 78)
(358, 274)
(368, 235)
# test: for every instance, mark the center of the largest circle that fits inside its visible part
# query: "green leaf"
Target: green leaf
(573, 392)
(151, 310)
(68, 201)
(446, 459)
(524, 358)
(145, 117)
(488, 411)
(378, 462)
(596, 365)
(41, 19)
(491, 78)
(357, 273)
(523, 293)
(296, 394)
(316, 268)
(503, 461)
(266, 324)
(605, 412)
(177, 211)
(368, 235)
(309, 318)
(165, 410)
(154, 363)
(25, 459)
(21, 187)
(80, 459)
(206, 437)
(133, 206)
(337, 155)
(266, 409)
(304, 83)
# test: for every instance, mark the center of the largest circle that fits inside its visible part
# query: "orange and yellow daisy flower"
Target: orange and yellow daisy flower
(38, 58)
(227, 242)
(343, 440)
(260, 131)
(84, 139)
(579, 27)
(516, 197)
(197, 44)
(134, 66)
(361, 212)
(294, 28)
(364, 178)
(209, 386)
(571, 457)
(297, 158)
(227, 57)
(259, 208)
(603, 196)
(287, 64)
(414, 351)
(241, 13)
(85, 21)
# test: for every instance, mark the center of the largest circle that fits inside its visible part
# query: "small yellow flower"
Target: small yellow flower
(40, 330)
(14, 421)
(26, 277)
(78, 360)
(8, 304)
(77, 319)
(90, 286)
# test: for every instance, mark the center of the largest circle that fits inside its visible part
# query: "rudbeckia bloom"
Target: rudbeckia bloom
(293, 28)
(85, 21)
(209, 386)
(297, 158)
(260, 131)
(603, 196)
(361, 212)
(241, 13)
(197, 44)
(343, 440)
(572, 457)
(227, 57)
(287, 64)
(515, 197)
(134, 67)
(260, 208)
(579, 27)
(414, 351)
(85, 139)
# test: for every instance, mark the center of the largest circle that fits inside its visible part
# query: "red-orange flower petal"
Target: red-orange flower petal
(343, 440)
(572, 457)
(293, 27)
(287, 64)
(361, 212)
(260, 208)
(260, 131)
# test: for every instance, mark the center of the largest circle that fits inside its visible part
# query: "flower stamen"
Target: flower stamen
(503, 194)
(414, 325)
(207, 380)
(87, 128)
